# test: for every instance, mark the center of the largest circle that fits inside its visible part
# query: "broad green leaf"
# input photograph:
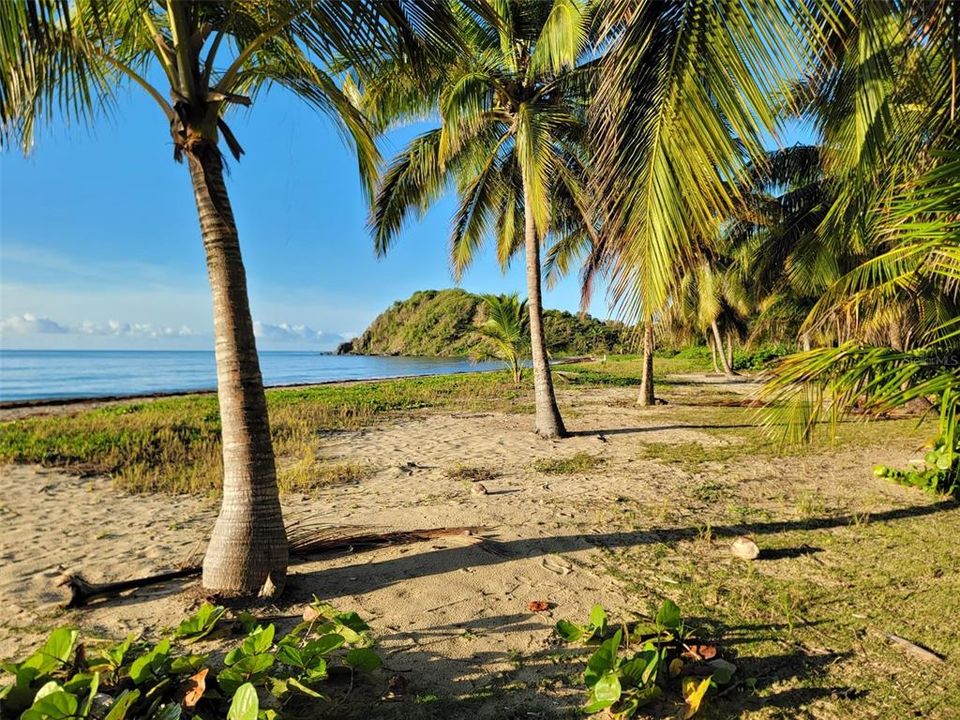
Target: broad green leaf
(598, 618)
(607, 688)
(245, 704)
(54, 653)
(120, 707)
(183, 664)
(603, 660)
(323, 645)
(55, 705)
(259, 641)
(363, 659)
(568, 631)
(94, 685)
(640, 670)
(150, 665)
(289, 655)
(668, 616)
(201, 623)
(307, 690)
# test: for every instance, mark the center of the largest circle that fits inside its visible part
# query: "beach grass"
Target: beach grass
(172, 444)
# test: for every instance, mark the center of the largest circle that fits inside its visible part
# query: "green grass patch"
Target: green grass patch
(580, 462)
(472, 473)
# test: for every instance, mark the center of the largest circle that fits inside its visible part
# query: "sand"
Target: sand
(450, 614)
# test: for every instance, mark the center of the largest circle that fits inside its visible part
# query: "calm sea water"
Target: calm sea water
(49, 374)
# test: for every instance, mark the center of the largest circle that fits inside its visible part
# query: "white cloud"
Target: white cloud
(30, 324)
(124, 329)
(287, 333)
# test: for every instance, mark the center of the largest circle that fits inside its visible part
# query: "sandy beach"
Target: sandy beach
(451, 616)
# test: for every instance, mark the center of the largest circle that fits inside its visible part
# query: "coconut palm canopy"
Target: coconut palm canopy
(511, 139)
(71, 61)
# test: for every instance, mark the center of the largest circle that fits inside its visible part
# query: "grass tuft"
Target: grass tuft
(581, 462)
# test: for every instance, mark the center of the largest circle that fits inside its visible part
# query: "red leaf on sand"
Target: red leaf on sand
(538, 606)
(193, 688)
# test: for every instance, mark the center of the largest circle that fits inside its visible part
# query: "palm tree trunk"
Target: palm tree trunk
(805, 340)
(718, 343)
(549, 424)
(646, 382)
(730, 351)
(248, 550)
(713, 354)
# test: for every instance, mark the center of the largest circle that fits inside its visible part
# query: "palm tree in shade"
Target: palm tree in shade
(70, 59)
(512, 119)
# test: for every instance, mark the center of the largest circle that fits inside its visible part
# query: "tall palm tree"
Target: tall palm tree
(74, 57)
(511, 106)
(685, 94)
(885, 100)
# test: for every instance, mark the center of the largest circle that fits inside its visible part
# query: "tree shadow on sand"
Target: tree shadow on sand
(547, 684)
(489, 551)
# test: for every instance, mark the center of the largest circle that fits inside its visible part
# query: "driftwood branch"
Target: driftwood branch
(305, 541)
(917, 651)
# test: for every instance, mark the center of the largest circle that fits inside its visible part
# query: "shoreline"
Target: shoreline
(17, 409)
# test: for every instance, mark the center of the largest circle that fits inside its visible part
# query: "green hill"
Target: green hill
(440, 323)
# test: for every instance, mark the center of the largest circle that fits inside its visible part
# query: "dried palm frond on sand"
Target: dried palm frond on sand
(306, 539)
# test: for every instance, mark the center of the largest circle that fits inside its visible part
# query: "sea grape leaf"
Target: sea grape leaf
(307, 690)
(363, 659)
(322, 646)
(603, 660)
(668, 616)
(120, 707)
(54, 653)
(201, 623)
(183, 664)
(150, 665)
(54, 705)
(598, 618)
(607, 688)
(245, 704)
(568, 631)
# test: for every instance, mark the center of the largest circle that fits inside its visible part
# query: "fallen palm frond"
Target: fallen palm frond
(305, 539)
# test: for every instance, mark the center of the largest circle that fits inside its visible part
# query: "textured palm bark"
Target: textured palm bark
(646, 379)
(713, 354)
(549, 424)
(248, 551)
(718, 342)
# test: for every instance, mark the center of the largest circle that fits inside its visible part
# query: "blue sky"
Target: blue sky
(100, 248)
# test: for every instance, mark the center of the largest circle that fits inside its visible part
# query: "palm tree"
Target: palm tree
(511, 106)
(77, 56)
(884, 98)
(685, 94)
(507, 331)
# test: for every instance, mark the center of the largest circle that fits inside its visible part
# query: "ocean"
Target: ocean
(74, 374)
